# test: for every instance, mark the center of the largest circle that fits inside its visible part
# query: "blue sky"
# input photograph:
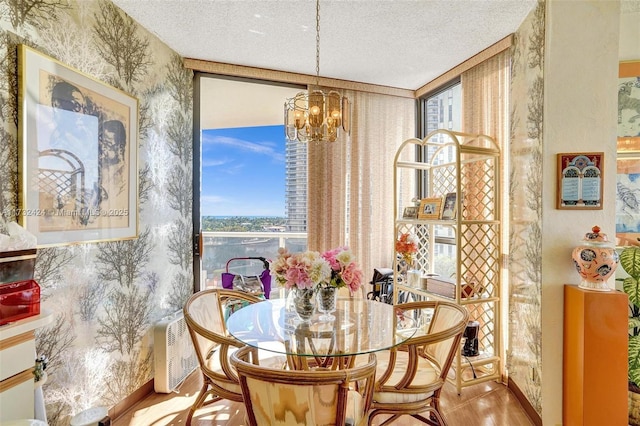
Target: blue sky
(243, 171)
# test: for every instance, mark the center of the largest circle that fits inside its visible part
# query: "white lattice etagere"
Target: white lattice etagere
(459, 258)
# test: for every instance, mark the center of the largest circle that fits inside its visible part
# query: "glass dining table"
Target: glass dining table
(360, 326)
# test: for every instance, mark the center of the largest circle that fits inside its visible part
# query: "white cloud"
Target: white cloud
(215, 162)
(264, 148)
(233, 169)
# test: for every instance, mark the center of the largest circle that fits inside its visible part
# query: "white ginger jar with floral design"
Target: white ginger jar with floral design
(596, 260)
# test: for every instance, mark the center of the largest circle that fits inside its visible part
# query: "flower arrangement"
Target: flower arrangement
(312, 270)
(344, 269)
(406, 246)
(304, 270)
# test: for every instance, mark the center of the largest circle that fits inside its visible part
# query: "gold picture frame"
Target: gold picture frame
(430, 208)
(79, 154)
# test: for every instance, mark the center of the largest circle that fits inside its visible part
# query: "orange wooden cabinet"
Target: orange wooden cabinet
(595, 358)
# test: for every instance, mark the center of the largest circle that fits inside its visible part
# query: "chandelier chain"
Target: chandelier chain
(317, 42)
(313, 115)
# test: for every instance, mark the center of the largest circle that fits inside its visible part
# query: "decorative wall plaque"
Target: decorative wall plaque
(580, 177)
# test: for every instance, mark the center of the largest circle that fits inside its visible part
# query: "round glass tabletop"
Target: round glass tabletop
(360, 326)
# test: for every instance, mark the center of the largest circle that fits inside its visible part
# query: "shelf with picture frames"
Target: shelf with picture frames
(458, 257)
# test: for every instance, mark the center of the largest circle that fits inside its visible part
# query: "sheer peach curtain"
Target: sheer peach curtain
(350, 182)
(485, 94)
(485, 104)
(485, 100)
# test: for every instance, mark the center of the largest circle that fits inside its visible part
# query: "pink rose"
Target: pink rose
(352, 276)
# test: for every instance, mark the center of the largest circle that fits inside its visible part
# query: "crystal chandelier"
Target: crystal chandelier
(315, 116)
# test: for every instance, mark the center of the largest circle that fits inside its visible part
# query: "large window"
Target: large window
(253, 195)
(442, 109)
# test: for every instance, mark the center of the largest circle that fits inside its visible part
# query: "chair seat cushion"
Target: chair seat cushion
(426, 374)
(355, 408)
(267, 359)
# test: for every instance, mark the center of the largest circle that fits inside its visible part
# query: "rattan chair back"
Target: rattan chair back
(320, 396)
(204, 314)
(410, 377)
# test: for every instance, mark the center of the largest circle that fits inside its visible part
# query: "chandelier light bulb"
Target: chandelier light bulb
(299, 119)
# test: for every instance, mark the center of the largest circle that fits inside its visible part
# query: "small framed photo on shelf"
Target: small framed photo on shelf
(450, 206)
(410, 212)
(430, 208)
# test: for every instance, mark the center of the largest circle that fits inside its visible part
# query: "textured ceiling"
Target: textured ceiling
(401, 43)
(629, 6)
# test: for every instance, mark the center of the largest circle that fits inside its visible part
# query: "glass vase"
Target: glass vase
(401, 269)
(304, 303)
(327, 297)
(408, 271)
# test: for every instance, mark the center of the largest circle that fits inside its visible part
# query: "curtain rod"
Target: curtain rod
(456, 71)
(289, 77)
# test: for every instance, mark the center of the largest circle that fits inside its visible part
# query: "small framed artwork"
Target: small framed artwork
(410, 212)
(430, 208)
(628, 155)
(449, 209)
(580, 181)
(628, 192)
(629, 99)
(79, 154)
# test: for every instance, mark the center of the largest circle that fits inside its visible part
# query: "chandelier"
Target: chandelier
(316, 116)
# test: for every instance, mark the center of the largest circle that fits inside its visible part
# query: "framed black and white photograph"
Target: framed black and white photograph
(78, 165)
(449, 208)
(410, 212)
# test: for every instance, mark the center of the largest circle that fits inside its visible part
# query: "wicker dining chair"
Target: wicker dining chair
(320, 396)
(204, 314)
(410, 377)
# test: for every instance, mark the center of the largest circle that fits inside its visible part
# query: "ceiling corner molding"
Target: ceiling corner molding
(456, 71)
(231, 70)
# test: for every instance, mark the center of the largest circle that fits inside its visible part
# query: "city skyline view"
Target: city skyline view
(243, 171)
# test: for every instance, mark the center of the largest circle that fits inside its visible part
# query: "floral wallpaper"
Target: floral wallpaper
(105, 297)
(524, 359)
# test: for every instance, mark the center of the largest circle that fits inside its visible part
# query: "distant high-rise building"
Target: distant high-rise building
(444, 111)
(295, 197)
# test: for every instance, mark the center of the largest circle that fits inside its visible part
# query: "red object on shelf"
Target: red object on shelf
(19, 300)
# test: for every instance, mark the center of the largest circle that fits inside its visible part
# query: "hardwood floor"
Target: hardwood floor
(485, 404)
